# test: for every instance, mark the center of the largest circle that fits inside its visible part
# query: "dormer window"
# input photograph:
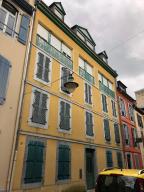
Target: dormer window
(7, 18)
(58, 10)
(84, 36)
(103, 56)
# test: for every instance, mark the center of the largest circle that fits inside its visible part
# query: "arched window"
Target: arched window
(7, 17)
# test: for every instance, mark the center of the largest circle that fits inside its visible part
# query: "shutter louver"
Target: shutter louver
(64, 162)
(109, 159)
(104, 102)
(46, 70)
(4, 72)
(86, 92)
(89, 124)
(107, 130)
(119, 160)
(39, 108)
(67, 116)
(40, 65)
(34, 162)
(24, 28)
(64, 115)
(117, 134)
(90, 100)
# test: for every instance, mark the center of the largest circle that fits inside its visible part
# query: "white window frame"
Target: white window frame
(88, 136)
(6, 20)
(59, 108)
(50, 68)
(37, 125)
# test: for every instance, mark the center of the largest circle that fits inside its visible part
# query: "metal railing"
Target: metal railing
(86, 75)
(43, 44)
(106, 90)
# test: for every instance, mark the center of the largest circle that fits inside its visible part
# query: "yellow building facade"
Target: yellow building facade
(65, 139)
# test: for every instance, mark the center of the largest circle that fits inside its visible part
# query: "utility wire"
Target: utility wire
(124, 42)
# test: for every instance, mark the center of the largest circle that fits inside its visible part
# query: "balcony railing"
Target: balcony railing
(86, 75)
(43, 44)
(106, 90)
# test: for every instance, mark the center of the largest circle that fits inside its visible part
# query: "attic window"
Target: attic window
(58, 14)
(81, 36)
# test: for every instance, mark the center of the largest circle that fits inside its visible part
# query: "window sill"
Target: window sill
(36, 125)
(31, 185)
(65, 131)
(65, 181)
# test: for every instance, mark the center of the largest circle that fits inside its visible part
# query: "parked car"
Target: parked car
(120, 180)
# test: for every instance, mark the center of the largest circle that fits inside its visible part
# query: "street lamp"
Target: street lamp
(70, 85)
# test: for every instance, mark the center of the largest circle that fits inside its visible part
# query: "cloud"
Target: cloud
(116, 26)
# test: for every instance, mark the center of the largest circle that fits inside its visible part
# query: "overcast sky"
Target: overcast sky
(116, 26)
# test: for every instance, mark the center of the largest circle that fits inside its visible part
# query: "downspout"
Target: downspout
(13, 158)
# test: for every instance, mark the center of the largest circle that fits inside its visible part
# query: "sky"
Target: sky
(117, 26)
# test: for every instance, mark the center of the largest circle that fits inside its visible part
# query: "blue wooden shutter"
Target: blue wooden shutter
(119, 160)
(109, 159)
(67, 116)
(63, 162)
(43, 109)
(62, 115)
(35, 113)
(46, 69)
(40, 65)
(117, 134)
(4, 72)
(39, 108)
(107, 130)
(64, 79)
(86, 92)
(104, 102)
(90, 94)
(24, 28)
(89, 124)
(34, 162)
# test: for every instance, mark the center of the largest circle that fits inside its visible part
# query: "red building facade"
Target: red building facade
(131, 148)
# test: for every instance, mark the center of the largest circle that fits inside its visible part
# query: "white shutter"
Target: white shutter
(89, 69)
(55, 42)
(81, 63)
(66, 50)
(42, 32)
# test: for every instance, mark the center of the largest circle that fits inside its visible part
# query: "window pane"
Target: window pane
(100, 77)
(10, 25)
(89, 69)
(110, 85)
(66, 50)
(105, 81)
(55, 43)
(2, 18)
(42, 32)
(81, 63)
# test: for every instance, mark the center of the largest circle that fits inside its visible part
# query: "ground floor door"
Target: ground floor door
(90, 168)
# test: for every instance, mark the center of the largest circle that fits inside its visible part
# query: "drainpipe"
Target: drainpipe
(13, 159)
